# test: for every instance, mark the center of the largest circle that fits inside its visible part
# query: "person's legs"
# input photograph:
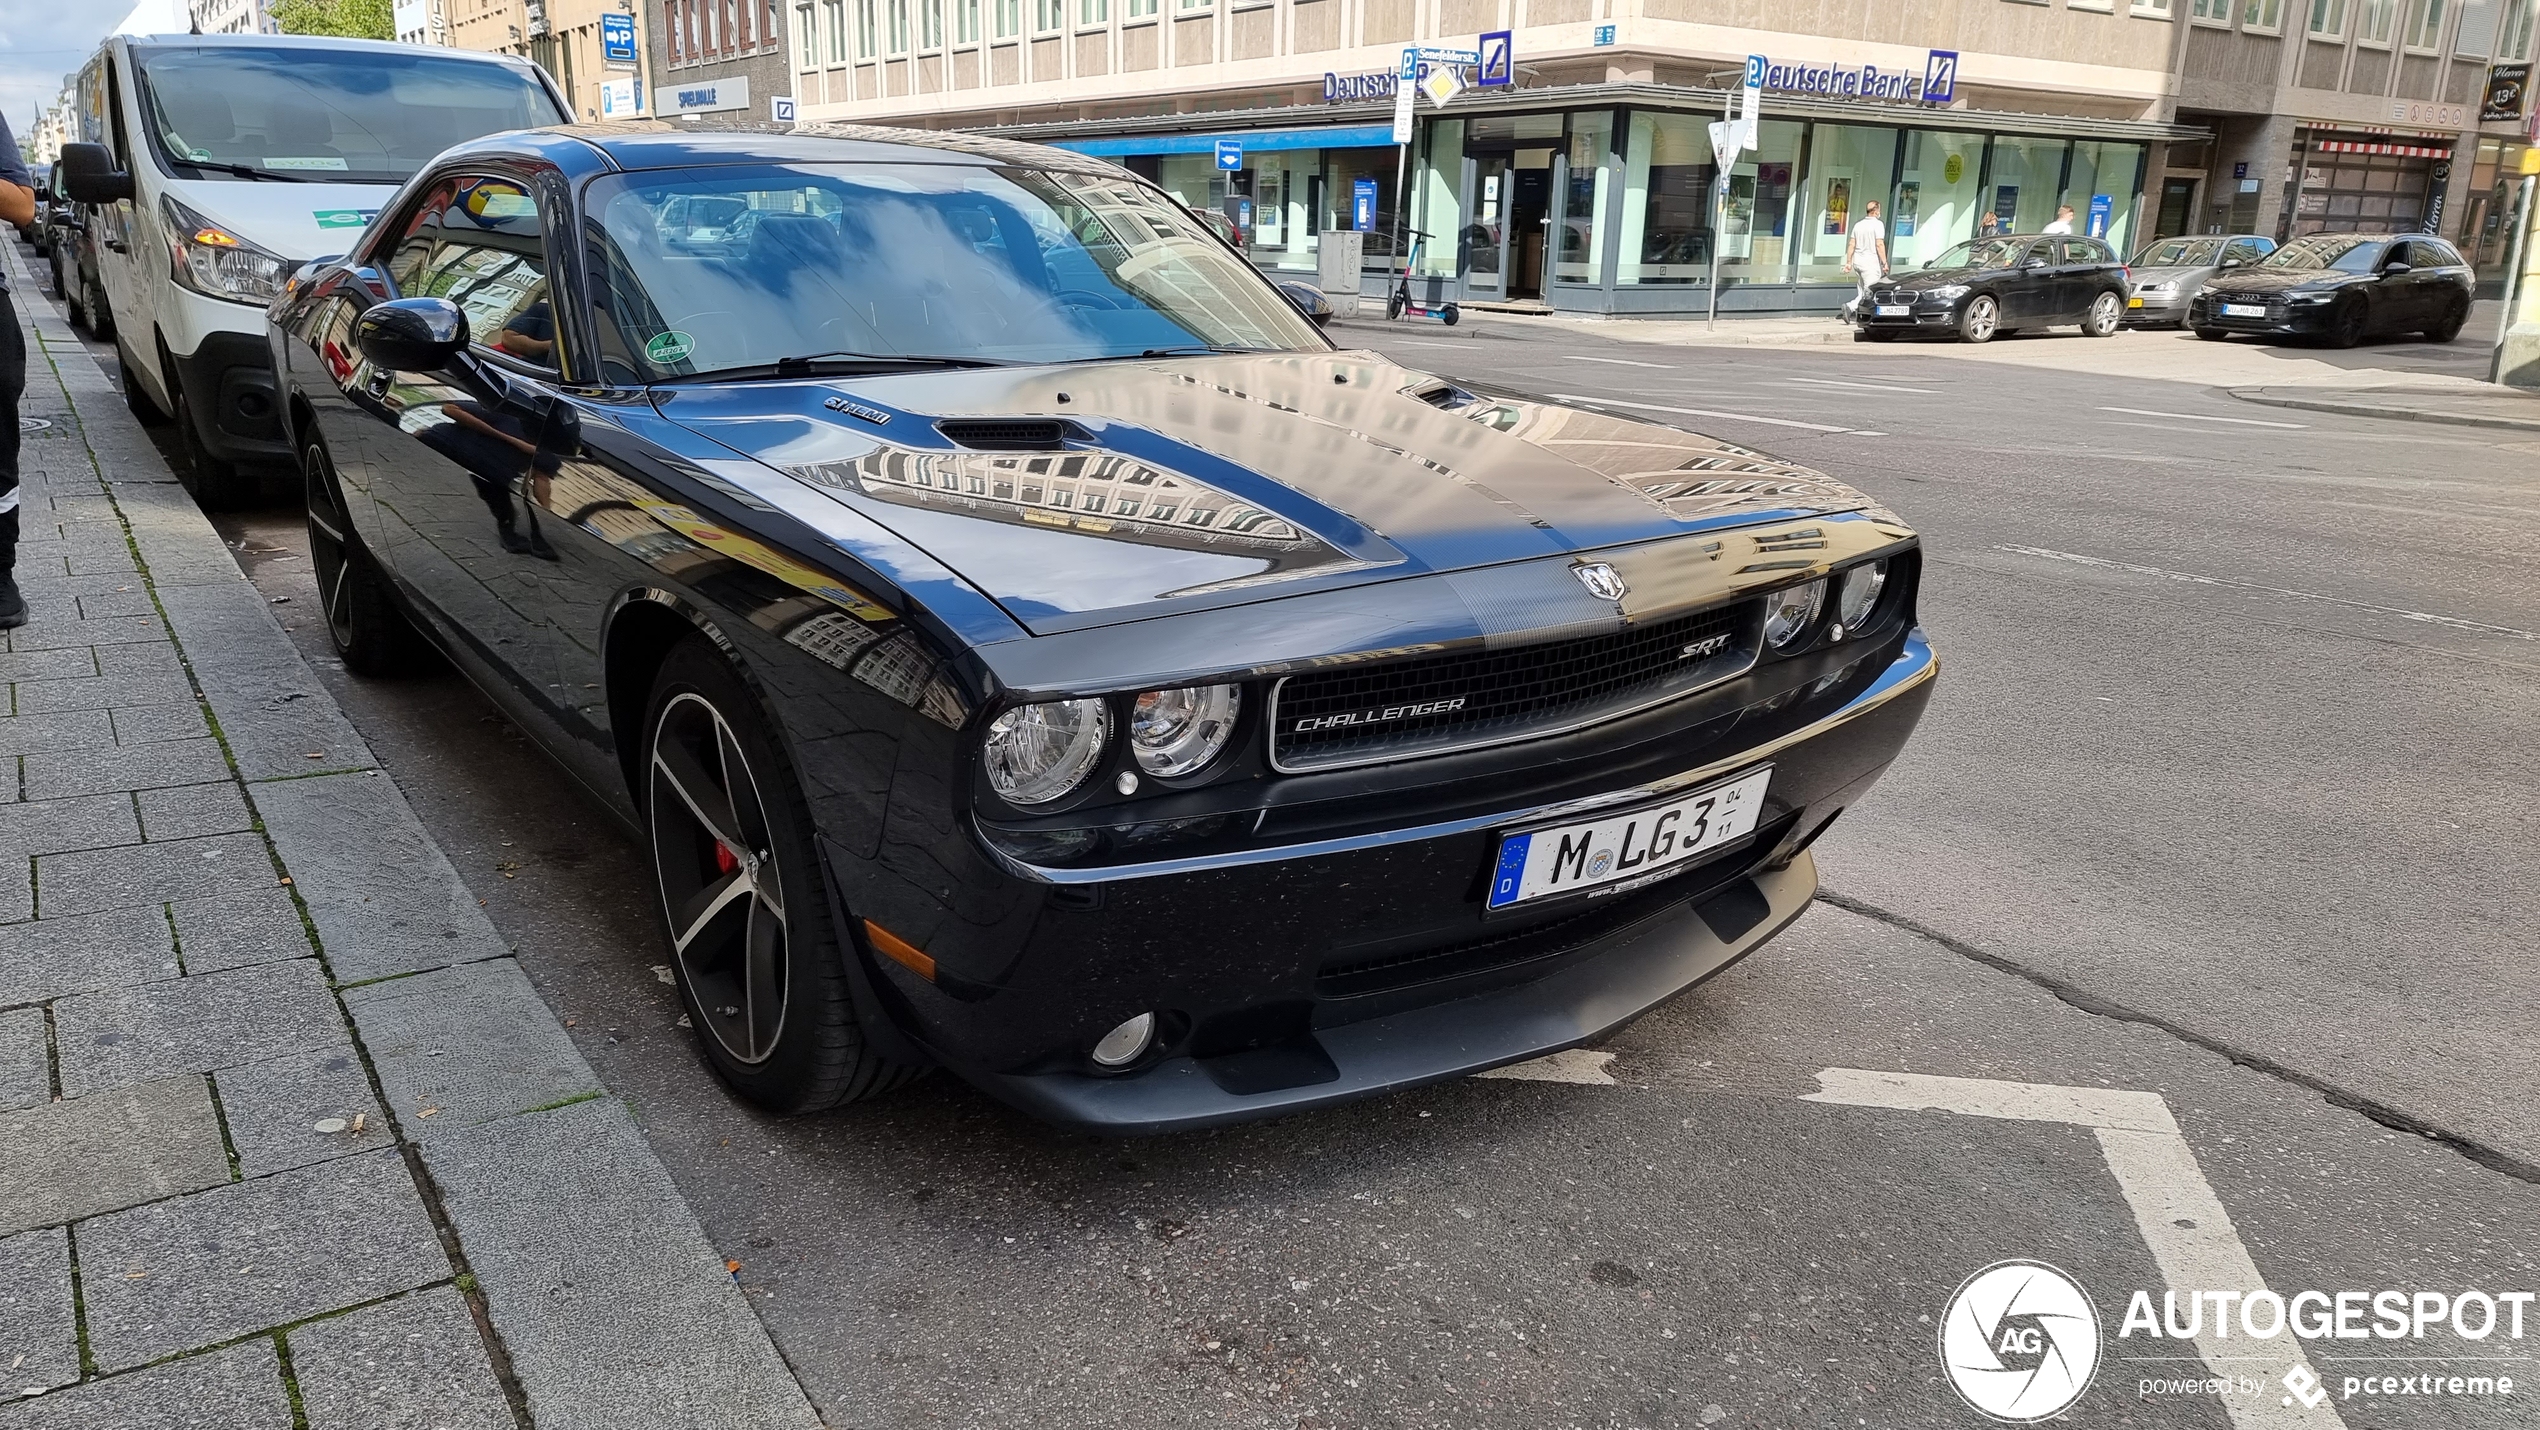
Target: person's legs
(12, 383)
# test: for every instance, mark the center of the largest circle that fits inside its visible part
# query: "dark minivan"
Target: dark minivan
(1988, 286)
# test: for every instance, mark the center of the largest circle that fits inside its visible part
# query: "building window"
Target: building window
(2328, 19)
(966, 21)
(769, 36)
(837, 31)
(1138, 10)
(1049, 14)
(807, 36)
(2262, 15)
(1195, 4)
(1009, 18)
(2217, 12)
(1093, 12)
(2425, 25)
(2513, 36)
(864, 29)
(899, 26)
(2375, 19)
(930, 24)
(2157, 9)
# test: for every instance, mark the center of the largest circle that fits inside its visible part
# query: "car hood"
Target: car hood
(295, 222)
(1158, 485)
(2280, 280)
(1941, 277)
(2147, 277)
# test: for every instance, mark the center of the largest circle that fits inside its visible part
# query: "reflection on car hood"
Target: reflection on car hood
(2278, 280)
(1185, 483)
(1940, 277)
(2146, 277)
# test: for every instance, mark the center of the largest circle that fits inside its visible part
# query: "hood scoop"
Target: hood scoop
(1010, 434)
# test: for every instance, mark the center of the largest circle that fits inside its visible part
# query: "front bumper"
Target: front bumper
(1930, 315)
(228, 379)
(2282, 319)
(2156, 310)
(1303, 980)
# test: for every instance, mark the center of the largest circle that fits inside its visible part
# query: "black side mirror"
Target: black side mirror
(89, 175)
(412, 334)
(2397, 268)
(1309, 300)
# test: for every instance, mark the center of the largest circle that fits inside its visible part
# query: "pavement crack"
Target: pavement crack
(2492, 1158)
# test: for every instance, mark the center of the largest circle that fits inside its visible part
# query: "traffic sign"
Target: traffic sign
(617, 37)
(1230, 153)
(1605, 34)
(1499, 66)
(1403, 93)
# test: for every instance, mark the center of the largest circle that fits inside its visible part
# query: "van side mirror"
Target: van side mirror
(412, 334)
(89, 175)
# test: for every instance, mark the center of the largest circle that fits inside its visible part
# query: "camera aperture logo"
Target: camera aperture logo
(2020, 1341)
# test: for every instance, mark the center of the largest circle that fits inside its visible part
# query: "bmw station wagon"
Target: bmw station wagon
(1027, 645)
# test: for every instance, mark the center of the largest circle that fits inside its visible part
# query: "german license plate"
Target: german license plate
(1635, 846)
(2244, 310)
(1896, 310)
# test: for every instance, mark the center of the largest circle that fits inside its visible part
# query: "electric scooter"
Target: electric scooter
(1399, 303)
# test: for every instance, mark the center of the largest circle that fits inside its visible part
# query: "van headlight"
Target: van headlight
(217, 263)
(1036, 753)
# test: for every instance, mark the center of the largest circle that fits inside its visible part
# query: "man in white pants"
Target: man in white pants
(1866, 255)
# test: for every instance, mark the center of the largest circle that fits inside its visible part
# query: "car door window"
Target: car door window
(480, 242)
(2082, 250)
(2248, 250)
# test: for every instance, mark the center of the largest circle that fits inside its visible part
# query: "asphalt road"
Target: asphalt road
(2227, 796)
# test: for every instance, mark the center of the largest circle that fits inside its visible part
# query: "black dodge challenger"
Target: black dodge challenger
(1028, 645)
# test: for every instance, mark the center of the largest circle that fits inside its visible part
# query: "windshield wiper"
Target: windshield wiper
(831, 364)
(248, 171)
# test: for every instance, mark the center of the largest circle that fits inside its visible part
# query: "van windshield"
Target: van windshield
(367, 116)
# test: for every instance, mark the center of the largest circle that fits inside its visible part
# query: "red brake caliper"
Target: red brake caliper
(724, 860)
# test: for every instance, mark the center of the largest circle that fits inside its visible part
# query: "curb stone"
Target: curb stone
(2362, 404)
(655, 1317)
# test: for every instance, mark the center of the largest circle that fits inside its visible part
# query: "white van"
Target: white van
(221, 163)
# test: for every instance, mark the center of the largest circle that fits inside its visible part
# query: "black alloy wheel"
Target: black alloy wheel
(367, 629)
(2450, 328)
(2106, 311)
(53, 270)
(2353, 318)
(1981, 320)
(760, 962)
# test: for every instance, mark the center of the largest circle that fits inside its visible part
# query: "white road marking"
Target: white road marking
(1416, 343)
(2182, 1221)
(1620, 362)
(1863, 386)
(1576, 1065)
(2199, 417)
(1706, 412)
(2422, 617)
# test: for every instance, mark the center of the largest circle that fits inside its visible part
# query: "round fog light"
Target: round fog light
(1122, 1045)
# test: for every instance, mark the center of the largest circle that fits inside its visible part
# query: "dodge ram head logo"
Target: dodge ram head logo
(1602, 581)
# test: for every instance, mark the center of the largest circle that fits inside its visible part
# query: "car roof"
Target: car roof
(658, 144)
(310, 42)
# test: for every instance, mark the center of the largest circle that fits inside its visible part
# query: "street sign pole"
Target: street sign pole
(1406, 89)
(1729, 138)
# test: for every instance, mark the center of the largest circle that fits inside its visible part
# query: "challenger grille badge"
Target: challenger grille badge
(1602, 581)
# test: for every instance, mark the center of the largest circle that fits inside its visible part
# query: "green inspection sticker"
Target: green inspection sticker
(670, 347)
(342, 218)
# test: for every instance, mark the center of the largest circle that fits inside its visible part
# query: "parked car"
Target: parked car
(2169, 272)
(37, 230)
(1985, 287)
(1017, 656)
(75, 280)
(2342, 288)
(226, 161)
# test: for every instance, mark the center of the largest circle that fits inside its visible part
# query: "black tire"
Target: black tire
(2212, 335)
(1980, 320)
(214, 484)
(53, 273)
(740, 947)
(1393, 305)
(137, 398)
(1452, 315)
(2450, 328)
(368, 631)
(93, 314)
(2107, 312)
(2348, 325)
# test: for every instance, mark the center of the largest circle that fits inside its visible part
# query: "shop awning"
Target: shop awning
(1261, 141)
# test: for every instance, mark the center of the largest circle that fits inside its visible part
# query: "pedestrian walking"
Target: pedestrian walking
(1866, 255)
(17, 205)
(2063, 220)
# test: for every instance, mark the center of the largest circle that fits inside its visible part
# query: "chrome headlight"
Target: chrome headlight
(217, 263)
(2309, 297)
(1173, 732)
(1859, 592)
(1035, 753)
(1789, 612)
(1947, 292)
(2157, 290)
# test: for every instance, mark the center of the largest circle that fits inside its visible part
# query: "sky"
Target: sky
(42, 40)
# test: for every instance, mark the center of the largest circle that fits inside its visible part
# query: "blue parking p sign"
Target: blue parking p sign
(1230, 153)
(617, 38)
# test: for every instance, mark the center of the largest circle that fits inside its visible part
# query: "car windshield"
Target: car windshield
(1983, 253)
(706, 270)
(369, 116)
(2345, 252)
(2180, 253)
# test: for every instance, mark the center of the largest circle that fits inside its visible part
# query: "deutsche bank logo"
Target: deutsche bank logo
(1940, 77)
(1498, 55)
(2020, 1341)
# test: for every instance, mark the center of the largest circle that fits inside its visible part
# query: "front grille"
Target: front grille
(1426, 705)
(1008, 434)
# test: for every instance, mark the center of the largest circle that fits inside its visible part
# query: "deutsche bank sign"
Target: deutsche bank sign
(1937, 84)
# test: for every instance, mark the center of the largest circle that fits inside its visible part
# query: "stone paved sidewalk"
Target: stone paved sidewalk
(286, 1138)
